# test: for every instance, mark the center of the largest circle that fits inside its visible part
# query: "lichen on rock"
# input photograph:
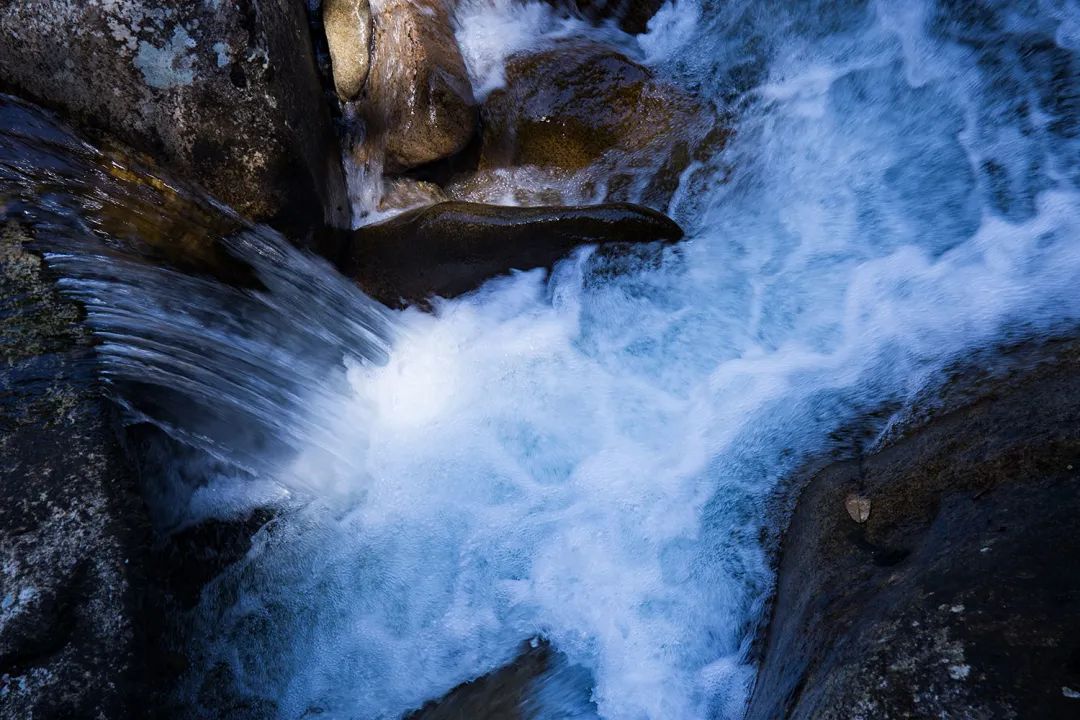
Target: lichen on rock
(224, 93)
(70, 527)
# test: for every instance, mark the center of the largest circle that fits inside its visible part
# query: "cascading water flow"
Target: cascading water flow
(584, 458)
(228, 358)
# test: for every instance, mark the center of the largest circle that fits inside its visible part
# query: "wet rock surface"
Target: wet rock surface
(418, 102)
(453, 247)
(347, 25)
(72, 526)
(504, 694)
(583, 108)
(133, 209)
(958, 596)
(405, 194)
(223, 93)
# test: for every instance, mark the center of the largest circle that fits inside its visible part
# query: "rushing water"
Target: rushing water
(585, 458)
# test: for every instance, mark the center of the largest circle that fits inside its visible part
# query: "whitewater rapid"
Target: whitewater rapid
(586, 457)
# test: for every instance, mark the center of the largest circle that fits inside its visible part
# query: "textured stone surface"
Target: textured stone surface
(959, 596)
(504, 694)
(405, 193)
(225, 93)
(418, 102)
(72, 528)
(347, 24)
(584, 108)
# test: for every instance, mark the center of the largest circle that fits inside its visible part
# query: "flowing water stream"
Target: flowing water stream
(585, 458)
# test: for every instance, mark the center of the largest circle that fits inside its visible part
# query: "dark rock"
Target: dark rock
(583, 108)
(500, 695)
(959, 596)
(224, 93)
(72, 526)
(347, 24)
(453, 247)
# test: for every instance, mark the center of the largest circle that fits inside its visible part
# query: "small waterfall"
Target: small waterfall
(586, 457)
(583, 460)
(221, 333)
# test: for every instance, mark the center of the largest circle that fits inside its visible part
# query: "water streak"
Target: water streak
(230, 358)
(586, 457)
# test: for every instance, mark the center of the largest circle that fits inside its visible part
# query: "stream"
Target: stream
(586, 459)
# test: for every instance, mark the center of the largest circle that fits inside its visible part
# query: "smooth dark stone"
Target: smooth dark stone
(453, 247)
(503, 694)
(960, 596)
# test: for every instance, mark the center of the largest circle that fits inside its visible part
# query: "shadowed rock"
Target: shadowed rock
(453, 247)
(72, 527)
(631, 16)
(958, 595)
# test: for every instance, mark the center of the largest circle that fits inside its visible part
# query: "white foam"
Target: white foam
(585, 457)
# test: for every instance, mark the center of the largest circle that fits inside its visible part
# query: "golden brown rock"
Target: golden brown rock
(402, 193)
(418, 101)
(347, 25)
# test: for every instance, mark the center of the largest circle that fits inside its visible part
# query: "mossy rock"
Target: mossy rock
(72, 528)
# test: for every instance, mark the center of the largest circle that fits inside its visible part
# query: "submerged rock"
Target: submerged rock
(453, 247)
(958, 597)
(224, 93)
(418, 102)
(72, 527)
(402, 193)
